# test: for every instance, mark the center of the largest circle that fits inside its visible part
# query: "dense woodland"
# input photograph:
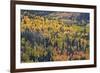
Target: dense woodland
(54, 36)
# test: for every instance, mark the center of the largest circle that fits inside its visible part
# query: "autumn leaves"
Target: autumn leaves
(44, 39)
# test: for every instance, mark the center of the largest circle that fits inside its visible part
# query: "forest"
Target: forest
(54, 36)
